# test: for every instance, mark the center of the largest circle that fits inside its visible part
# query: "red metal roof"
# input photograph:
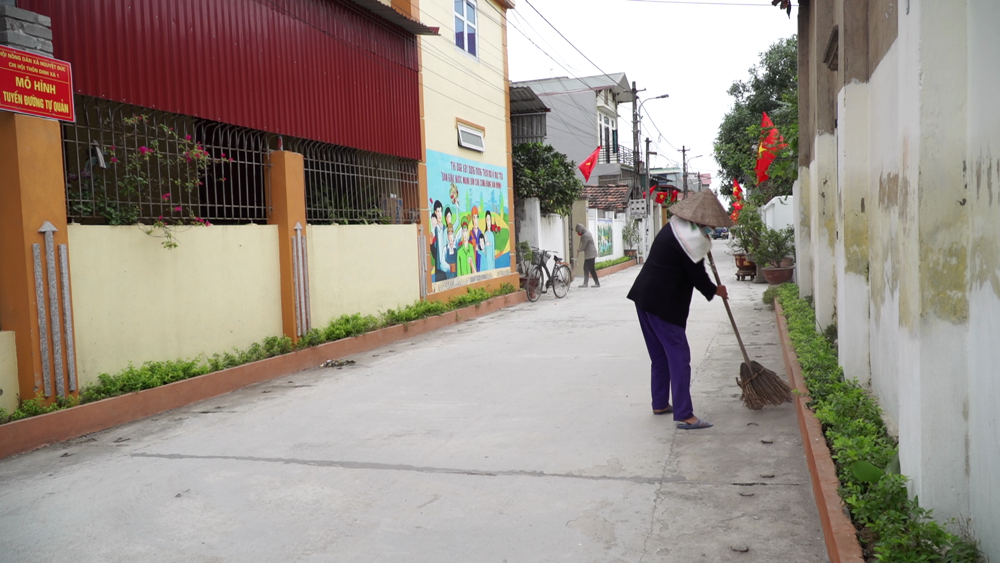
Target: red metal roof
(326, 70)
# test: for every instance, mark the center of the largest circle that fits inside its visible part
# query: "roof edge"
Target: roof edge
(393, 15)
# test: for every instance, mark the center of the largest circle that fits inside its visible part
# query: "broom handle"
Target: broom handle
(746, 358)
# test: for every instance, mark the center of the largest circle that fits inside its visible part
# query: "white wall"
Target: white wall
(984, 274)
(912, 277)
(779, 212)
(529, 217)
(552, 234)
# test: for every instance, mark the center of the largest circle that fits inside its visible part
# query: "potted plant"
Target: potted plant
(745, 240)
(775, 245)
(631, 237)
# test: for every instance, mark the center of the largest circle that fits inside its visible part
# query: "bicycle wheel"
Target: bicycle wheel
(533, 286)
(560, 280)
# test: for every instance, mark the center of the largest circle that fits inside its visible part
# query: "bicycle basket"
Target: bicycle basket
(540, 256)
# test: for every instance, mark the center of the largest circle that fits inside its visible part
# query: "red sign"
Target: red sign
(36, 85)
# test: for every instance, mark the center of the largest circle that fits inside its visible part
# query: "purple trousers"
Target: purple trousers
(670, 356)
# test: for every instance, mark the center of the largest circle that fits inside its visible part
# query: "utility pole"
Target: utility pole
(635, 129)
(684, 151)
(645, 183)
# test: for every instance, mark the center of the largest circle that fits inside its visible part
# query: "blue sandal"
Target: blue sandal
(694, 425)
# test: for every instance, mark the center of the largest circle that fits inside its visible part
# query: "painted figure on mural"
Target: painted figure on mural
(448, 218)
(439, 250)
(475, 231)
(466, 252)
(486, 258)
(451, 259)
(491, 242)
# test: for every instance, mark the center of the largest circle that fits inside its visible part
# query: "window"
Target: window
(465, 26)
(471, 138)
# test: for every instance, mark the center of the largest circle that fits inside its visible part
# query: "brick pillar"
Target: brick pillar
(35, 301)
(288, 211)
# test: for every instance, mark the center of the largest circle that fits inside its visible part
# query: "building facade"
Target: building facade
(273, 148)
(466, 170)
(582, 115)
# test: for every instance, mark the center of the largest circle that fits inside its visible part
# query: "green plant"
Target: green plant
(612, 262)
(830, 333)
(770, 294)
(148, 174)
(155, 374)
(541, 171)
(771, 86)
(774, 245)
(892, 527)
(524, 252)
(631, 235)
(748, 232)
(34, 407)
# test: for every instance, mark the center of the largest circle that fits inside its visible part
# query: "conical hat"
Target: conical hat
(702, 208)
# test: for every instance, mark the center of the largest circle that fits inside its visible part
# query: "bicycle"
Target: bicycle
(559, 279)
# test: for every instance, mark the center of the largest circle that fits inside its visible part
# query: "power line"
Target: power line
(564, 37)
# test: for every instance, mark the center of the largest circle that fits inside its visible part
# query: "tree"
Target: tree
(541, 171)
(773, 88)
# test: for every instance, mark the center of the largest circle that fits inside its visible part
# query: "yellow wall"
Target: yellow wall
(8, 371)
(457, 85)
(361, 269)
(134, 301)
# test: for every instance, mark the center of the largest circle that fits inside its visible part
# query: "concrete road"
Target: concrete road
(523, 436)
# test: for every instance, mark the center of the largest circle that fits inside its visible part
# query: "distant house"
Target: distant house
(576, 116)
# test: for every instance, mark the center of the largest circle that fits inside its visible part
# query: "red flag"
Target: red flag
(661, 197)
(587, 166)
(768, 149)
(737, 190)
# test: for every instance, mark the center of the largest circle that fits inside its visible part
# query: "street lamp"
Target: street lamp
(642, 175)
(686, 160)
(635, 135)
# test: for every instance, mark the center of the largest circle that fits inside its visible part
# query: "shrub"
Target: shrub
(154, 374)
(613, 262)
(893, 528)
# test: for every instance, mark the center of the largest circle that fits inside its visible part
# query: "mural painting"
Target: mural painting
(470, 221)
(605, 237)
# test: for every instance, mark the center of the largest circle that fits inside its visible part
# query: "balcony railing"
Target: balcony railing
(612, 155)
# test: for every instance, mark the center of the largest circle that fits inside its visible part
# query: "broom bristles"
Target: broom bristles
(762, 387)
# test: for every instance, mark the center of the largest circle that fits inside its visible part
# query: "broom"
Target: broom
(760, 385)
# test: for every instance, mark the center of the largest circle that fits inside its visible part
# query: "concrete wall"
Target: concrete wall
(552, 235)
(982, 177)
(134, 301)
(361, 269)
(911, 222)
(779, 212)
(8, 372)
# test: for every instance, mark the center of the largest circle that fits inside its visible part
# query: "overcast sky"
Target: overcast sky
(692, 51)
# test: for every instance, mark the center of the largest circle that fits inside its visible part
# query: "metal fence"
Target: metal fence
(127, 164)
(351, 186)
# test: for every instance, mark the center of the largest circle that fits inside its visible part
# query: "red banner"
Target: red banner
(36, 85)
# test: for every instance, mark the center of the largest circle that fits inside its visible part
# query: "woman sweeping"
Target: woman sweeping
(662, 294)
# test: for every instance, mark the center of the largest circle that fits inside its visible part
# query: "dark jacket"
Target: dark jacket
(667, 280)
